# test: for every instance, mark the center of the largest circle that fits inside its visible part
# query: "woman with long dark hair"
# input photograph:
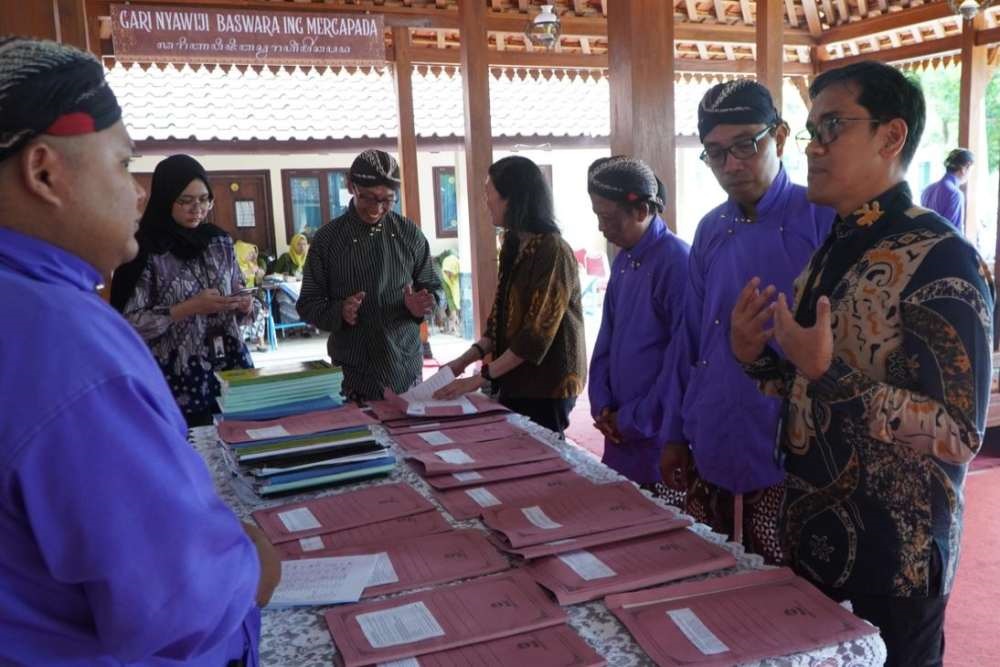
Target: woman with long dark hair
(535, 331)
(182, 292)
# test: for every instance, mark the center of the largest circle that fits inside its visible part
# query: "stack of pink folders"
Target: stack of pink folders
(416, 425)
(393, 410)
(331, 514)
(588, 574)
(425, 523)
(489, 475)
(734, 619)
(482, 455)
(444, 436)
(576, 513)
(309, 423)
(469, 502)
(426, 622)
(425, 560)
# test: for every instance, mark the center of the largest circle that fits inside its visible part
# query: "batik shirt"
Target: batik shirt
(877, 448)
(348, 256)
(114, 547)
(185, 349)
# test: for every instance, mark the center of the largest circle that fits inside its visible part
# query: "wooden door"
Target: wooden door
(242, 206)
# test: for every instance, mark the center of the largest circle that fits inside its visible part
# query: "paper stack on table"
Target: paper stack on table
(262, 393)
(734, 619)
(323, 581)
(470, 501)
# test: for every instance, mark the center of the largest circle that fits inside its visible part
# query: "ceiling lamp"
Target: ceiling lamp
(968, 9)
(544, 28)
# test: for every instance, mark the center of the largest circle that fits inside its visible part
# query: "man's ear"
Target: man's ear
(44, 172)
(895, 138)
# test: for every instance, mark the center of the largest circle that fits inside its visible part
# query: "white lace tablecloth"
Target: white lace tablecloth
(299, 637)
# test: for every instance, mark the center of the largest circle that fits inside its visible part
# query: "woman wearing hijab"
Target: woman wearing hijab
(535, 331)
(251, 267)
(291, 263)
(183, 290)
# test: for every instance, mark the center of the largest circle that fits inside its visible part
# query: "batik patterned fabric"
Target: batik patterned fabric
(542, 321)
(184, 349)
(877, 448)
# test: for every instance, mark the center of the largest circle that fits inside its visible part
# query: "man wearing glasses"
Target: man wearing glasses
(369, 279)
(719, 430)
(886, 369)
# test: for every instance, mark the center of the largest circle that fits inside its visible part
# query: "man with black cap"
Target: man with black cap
(642, 309)
(370, 281)
(945, 197)
(116, 548)
(719, 430)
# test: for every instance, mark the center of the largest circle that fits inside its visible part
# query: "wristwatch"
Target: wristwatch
(485, 373)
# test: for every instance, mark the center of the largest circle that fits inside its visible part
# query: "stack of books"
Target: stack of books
(279, 391)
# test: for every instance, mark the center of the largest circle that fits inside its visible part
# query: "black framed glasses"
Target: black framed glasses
(827, 130)
(189, 201)
(371, 200)
(744, 149)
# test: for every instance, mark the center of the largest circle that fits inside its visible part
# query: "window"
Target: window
(314, 197)
(445, 203)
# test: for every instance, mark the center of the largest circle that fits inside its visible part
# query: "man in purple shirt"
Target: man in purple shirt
(642, 308)
(945, 197)
(718, 429)
(116, 548)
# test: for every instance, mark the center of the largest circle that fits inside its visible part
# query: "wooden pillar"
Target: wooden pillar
(770, 47)
(478, 156)
(971, 112)
(58, 20)
(641, 76)
(403, 74)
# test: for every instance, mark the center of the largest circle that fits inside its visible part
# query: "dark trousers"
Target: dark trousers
(552, 413)
(912, 628)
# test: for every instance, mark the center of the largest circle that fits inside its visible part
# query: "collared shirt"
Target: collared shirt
(642, 309)
(348, 256)
(710, 403)
(945, 197)
(877, 448)
(116, 548)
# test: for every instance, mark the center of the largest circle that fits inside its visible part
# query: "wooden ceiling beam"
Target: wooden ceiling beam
(989, 36)
(910, 52)
(886, 22)
(811, 11)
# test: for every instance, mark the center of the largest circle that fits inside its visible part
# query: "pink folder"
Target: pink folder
(437, 424)
(393, 409)
(734, 619)
(588, 574)
(592, 540)
(434, 620)
(341, 511)
(583, 512)
(469, 502)
(429, 560)
(425, 523)
(236, 432)
(481, 455)
(450, 436)
(556, 646)
(489, 475)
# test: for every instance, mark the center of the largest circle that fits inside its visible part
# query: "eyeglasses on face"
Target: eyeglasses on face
(190, 201)
(744, 149)
(827, 130)
(371, 200)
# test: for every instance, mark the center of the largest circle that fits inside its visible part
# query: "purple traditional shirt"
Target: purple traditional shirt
(642, 308)
(116, 548)
(945, 197)
(710, 403)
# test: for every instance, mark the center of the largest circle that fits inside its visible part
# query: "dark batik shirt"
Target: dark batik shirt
(348, 256)
(877, 448)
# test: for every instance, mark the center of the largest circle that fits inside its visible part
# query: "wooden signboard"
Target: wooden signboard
(145, 33)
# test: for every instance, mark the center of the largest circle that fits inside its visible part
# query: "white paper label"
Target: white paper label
(298, 519)
(269, 432)
(470, 476)
(311, 543)
(435, 438)
(384, 572)
(405, 662)
(696, 632)
(412, 622)
(454, 456)
(322, 581)
(483, 497)
(587, 566)
(536, 516)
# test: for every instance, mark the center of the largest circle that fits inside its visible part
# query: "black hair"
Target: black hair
(529, 201)
(886, 93)
(959, 158)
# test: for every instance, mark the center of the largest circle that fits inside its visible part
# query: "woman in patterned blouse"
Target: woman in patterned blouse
(535, 330)
(183, 291)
